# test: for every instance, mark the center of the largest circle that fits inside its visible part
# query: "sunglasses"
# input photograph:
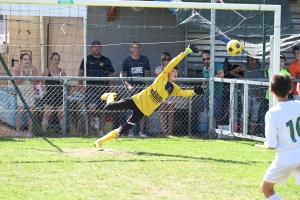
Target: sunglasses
(206, 59)
(136, 47)
(166, 59)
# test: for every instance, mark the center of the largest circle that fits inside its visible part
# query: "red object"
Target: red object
(109, 119)
(36, 89)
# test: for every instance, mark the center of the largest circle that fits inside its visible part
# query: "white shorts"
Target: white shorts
(253, 108)
(284, 164)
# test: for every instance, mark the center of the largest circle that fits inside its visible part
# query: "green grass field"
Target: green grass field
(172, 168)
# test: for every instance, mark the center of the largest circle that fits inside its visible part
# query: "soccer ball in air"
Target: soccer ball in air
(234, 47)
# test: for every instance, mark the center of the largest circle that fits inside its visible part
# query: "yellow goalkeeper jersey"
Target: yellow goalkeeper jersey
(151, 97)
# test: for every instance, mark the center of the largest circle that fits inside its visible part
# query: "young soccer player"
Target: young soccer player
(145, 102)
(283, 134)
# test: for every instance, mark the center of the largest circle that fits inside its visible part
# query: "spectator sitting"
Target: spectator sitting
(53, 92)
(26, 88)
(253, 69)
(97, 65)
(294, 69)
(264, 105)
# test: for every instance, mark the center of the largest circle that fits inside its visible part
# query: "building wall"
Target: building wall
(66, 38)
(23, 37)
(154, 28)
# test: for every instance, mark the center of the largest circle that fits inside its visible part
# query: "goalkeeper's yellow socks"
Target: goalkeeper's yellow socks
(98, 143)
(109, 136)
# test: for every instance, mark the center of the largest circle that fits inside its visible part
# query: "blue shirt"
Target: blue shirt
(136, 68)
(218, 86)
(97, 67)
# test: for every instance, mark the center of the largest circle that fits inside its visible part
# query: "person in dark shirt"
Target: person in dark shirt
(53, 98)
(136, 65)
(97, 65)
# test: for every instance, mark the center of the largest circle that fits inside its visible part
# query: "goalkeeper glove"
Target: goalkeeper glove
(198, 89)
(191, 49)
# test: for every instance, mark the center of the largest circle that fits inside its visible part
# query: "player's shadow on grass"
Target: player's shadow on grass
(8, 139)
(49, 142)
(198, 158)
(18, 140)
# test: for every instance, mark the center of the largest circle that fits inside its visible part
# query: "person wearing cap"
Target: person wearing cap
(136, 65)
(294, 69)
(97, 65)
(264, 105)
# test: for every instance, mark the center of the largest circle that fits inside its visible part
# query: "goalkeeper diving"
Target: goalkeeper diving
(145, 102)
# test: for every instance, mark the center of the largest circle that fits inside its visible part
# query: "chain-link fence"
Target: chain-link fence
(58, 109)
(244, 105)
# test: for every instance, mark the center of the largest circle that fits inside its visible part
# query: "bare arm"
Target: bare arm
(80, 74)
(203, 84)
(111, 83)
(17, 73)
(220, 73)
(130, 88)
(45, 73)
(80, 82)
(298, 87)
(34, 73)
(63, 73)
(235, 72)
(148, 73)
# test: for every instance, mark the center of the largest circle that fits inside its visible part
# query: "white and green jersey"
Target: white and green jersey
(283, 126)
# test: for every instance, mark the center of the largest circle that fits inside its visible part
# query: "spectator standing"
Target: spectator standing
(97, 65)
(294, 69)
(26, 88)
(264, 105)
(53, 99)
(252, 69)
(218, 86)
(136, 65)
(167, 108)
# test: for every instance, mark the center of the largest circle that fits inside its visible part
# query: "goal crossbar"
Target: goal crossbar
(157, 4)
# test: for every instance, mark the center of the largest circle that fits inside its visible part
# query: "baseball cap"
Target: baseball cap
(296, 48)
(96, 42)
(282, 57)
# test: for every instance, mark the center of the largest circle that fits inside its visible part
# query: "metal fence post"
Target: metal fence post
(65, 107)
(190, 116)
(245, 107)
(232, 111)
(212, 73)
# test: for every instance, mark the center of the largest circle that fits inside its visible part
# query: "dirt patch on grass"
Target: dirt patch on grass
(88, 152)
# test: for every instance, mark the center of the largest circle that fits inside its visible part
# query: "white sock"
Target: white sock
(274, 197)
